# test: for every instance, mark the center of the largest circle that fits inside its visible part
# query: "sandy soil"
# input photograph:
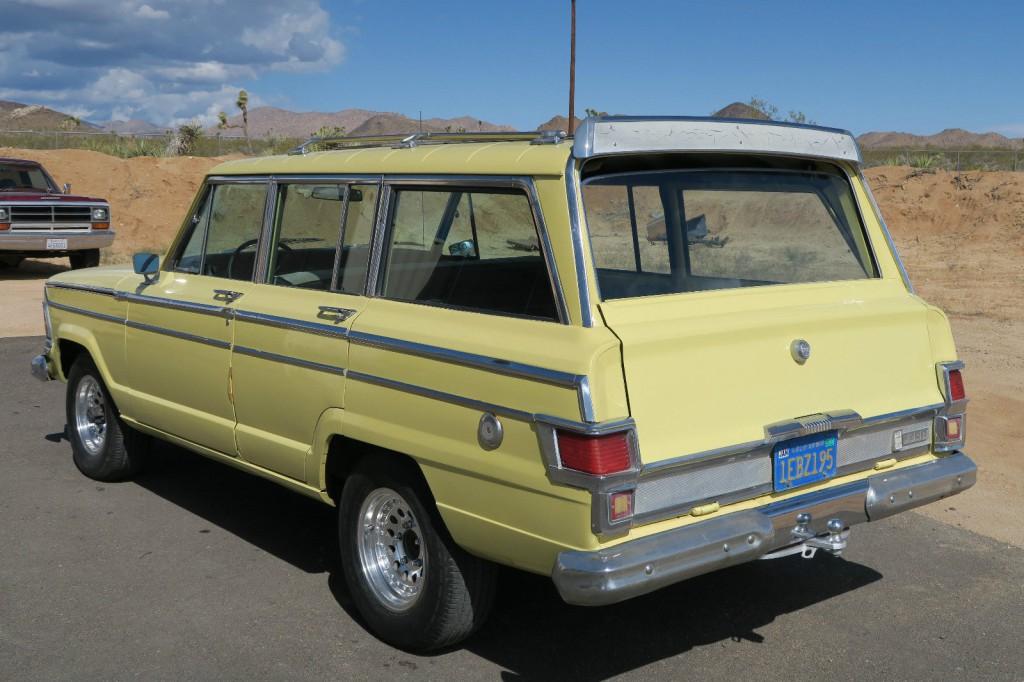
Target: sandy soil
(961, 237)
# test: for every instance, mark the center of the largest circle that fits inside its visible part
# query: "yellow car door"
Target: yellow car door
(179, 327)
(291, 343)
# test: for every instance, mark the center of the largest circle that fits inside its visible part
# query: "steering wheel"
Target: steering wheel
(243, 246)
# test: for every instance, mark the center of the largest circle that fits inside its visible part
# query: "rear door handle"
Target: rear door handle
(335, 314)
(227, 295)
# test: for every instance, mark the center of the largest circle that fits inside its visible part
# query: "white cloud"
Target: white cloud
(147, 12)
(165, 60)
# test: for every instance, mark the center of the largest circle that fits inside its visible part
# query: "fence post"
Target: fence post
(1015, 161)
(958, 162)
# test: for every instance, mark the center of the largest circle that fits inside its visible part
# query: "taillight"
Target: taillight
(597, 455)
(956, 385)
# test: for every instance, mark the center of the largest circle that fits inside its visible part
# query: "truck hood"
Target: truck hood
(28, 196)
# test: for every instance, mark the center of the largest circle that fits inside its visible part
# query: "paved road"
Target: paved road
(196, 571)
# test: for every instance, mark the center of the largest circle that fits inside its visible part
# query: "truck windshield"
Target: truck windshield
(663, 232)
(22, 177)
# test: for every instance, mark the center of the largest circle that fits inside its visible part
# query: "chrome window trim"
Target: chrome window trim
(572, 179)
(380, 225)
(885, 231)
(289, 360)
(521, 182)
(291, 324)
(266, 233)
(184, 336)
(88, 288)
(88, 313)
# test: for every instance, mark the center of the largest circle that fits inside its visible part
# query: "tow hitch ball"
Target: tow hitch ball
(834, 543)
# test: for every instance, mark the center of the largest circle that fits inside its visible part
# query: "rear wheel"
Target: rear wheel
(102, 447)
(413, 585)
(88, 258)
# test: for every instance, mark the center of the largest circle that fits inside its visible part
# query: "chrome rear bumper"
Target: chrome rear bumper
(639, 566)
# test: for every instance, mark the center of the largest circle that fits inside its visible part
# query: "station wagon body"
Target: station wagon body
(656, 349)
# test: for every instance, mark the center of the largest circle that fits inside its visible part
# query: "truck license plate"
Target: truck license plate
(804, 460)
(56, 244)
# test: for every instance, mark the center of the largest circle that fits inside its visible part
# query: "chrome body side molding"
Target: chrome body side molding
(88, 313)
(636, 567)
(289, 360)
(184, 336)
(70, 286)
(291, 324)
(612, 135)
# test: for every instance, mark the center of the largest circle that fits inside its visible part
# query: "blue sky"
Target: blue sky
(911, 66)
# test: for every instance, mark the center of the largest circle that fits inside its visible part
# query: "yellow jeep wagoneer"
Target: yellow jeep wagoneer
(662, 347)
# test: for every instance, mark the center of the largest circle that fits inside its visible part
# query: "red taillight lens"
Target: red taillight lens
(598, 455)
(956, 385)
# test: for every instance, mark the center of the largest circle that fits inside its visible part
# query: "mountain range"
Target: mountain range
(277, 122)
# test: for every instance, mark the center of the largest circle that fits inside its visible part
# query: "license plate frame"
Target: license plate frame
(56, 244)
(799, 462)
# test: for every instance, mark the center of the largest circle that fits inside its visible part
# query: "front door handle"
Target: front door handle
(335, 314)
(227, 295)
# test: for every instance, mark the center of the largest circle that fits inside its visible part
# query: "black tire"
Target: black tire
(10, 261)
(89, 258)
(119, 453)
(456, 590)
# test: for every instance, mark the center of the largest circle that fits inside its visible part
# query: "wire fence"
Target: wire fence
(947, 159)
(127, 145)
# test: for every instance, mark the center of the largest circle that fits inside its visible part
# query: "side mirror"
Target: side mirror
(465, 249)
(67, 188)
(147, 265)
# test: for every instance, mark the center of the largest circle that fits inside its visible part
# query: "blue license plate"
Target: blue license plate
(804, 460)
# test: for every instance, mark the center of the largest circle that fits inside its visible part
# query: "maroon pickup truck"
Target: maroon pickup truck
(38, 220)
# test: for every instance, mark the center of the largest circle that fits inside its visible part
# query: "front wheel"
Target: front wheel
(102, 447)
(414, 586)
(89, 258)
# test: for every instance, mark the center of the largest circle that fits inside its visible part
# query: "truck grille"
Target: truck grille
(50, 218)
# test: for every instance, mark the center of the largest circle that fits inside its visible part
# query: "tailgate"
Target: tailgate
(711, 370)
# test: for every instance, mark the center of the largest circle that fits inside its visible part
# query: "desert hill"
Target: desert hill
(18, 116)
(950, 138)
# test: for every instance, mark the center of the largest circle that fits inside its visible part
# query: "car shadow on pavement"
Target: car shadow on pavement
(531, 632)
(34, 269)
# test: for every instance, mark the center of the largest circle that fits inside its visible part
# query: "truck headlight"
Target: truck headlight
(100, 214)
(4, 215)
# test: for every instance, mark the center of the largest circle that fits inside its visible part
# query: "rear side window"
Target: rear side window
(678, 231)
(472, 249)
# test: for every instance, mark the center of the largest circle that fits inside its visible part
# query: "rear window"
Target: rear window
(661, 232)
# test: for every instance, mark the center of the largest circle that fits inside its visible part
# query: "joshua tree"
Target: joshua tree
(71, 123)
(243, 105)
(188, 136)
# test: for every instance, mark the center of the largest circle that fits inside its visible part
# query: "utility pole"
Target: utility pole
(572, 71)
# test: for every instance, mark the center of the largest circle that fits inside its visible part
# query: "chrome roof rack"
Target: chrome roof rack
(407, 141)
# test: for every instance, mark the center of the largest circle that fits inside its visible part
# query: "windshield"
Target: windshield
(21, 177)
(742, 228)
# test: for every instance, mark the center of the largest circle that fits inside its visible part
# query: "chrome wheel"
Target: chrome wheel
(91, 415)
(392, 551)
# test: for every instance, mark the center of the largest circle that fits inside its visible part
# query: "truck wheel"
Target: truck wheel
(10, 261)
(89, 258)
(102, 447)
(416, 589)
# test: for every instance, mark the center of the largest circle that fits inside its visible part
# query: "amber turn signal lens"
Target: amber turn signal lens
(100, 226)
(620, 506)
(953, 428)
(5, 226)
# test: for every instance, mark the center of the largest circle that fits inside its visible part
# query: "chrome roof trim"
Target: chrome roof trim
(611, 135)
